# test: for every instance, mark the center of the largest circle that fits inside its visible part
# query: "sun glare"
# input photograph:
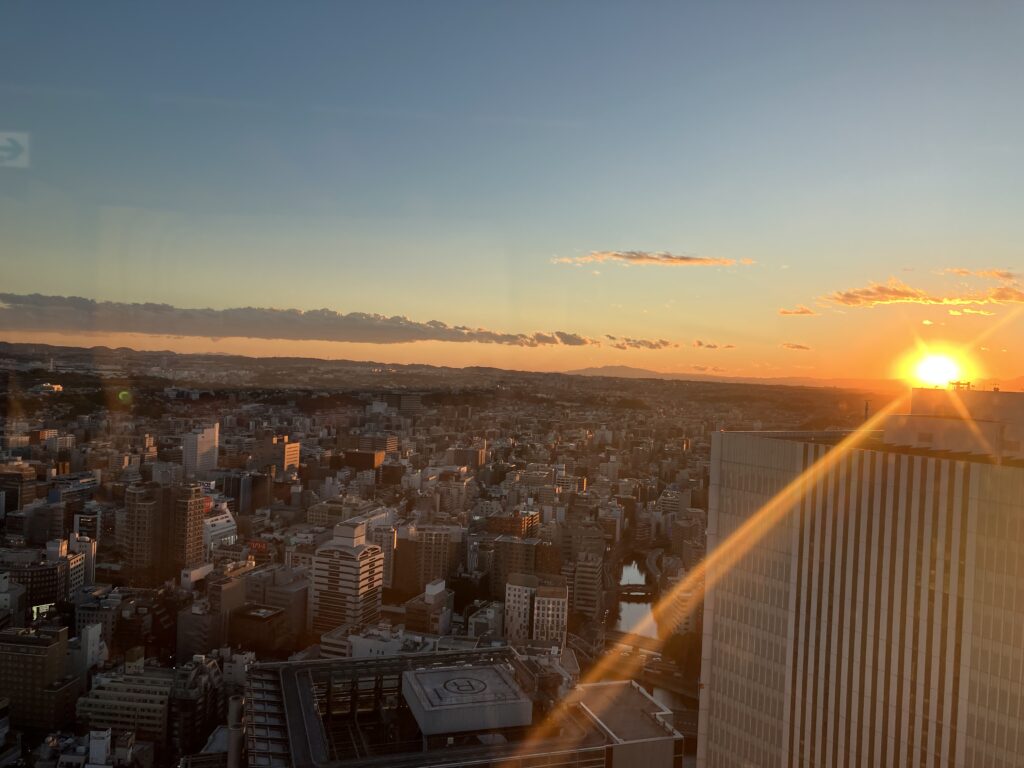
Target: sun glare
(937, 370)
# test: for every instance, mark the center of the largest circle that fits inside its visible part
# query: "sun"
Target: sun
(937, 370)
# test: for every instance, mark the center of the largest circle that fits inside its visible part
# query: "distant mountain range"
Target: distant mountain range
(882, 385)
(99, 355)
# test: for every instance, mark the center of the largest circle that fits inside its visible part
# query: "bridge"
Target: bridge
(644, 591)
(637, 642)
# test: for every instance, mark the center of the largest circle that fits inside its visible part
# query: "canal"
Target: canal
(634, 616)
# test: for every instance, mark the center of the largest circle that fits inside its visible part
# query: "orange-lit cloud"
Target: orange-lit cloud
(700, 344)
(795, 347)
(1003, 275)
(659, 258)
(897, 292)
(799, 310)
(625, 342)
(969, 311)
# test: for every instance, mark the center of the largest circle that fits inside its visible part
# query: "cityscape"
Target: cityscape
(511, 385)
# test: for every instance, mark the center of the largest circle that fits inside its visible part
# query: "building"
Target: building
(536, 608)
(177, 707)
(17, 486)
(879, 621)
(200, 450)
(278, 452)
(425, 553)
(34, 676)
(588, 585)
(219, 528)
(347, 579)
(135, 698)
(449, 708)
(280, 586)
(431, 612)
(163, 531)
(49, 575)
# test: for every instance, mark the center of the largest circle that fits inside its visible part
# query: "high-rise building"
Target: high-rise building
(347, 580)
(588, 585)
(200, 450)
(163, 531)
(880, 621)
(34, 676)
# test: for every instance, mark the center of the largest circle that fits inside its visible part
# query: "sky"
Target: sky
(749, 189)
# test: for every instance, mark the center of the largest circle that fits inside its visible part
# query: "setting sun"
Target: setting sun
(937, 370)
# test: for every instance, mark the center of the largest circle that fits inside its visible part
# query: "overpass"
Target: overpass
(637, 642)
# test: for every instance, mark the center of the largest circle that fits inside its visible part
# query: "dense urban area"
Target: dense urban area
(174, 526)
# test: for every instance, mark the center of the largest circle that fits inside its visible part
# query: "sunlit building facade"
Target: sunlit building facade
(882, 622)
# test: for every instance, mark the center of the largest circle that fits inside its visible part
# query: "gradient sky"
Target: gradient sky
(461, 162)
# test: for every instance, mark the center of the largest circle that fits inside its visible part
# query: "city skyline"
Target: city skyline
(548, 189)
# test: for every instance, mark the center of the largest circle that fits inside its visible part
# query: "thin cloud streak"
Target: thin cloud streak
(625, 342)
(70, 313)
(795, 347)
(1003, 275)
(798, 311)
(657, 258)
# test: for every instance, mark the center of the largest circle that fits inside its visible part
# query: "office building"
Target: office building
(200, 450)
(880, 622)
(347, 579)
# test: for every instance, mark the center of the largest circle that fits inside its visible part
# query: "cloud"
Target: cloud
(969, 311)
(1003, 275)
(927, 322)
(624, 342)
(795, 347)
(798, 310)
(712, 345)
(62, 313)
(659, 258)
(897, 292)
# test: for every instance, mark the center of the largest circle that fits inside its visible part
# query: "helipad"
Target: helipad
(465, 698)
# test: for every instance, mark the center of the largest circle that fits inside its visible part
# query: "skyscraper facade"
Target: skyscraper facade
(881, 622)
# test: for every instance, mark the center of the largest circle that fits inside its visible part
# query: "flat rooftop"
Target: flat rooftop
(464, 708)
(625, 710)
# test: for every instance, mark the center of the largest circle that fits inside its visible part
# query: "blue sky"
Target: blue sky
(433, 159)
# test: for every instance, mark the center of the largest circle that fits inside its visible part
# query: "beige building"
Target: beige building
(347, 579)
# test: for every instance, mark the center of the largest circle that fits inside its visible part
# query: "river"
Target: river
(634, 616)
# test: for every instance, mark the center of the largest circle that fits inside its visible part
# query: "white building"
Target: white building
(200, 450)
(882, 620)
(219, 528)
(536, 608)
